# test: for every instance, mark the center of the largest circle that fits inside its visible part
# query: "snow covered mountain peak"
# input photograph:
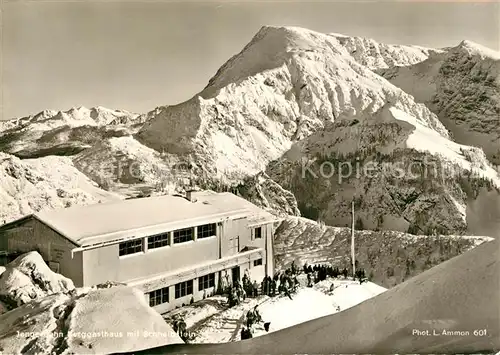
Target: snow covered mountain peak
(287, 88)
(473, 48)
(269, 49)
(286, 84)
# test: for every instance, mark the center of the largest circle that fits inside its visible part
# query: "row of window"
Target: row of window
(182, 289)
(163, 239)
(185, 288)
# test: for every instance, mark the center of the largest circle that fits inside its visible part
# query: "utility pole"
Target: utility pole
(352, 244)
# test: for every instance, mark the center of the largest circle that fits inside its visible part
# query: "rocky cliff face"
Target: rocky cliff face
(462, 86)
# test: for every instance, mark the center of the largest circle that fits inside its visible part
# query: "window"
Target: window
(207, 230)
(183, 235)
(206, 281)
(158, 241)
(130, 247)
(258, 232)
(257, 262)
(183, 289)
(157, 297)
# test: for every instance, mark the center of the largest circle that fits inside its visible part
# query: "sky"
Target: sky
(139, 55)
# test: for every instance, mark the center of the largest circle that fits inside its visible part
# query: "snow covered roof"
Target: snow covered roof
(256, 216)
(116, 220)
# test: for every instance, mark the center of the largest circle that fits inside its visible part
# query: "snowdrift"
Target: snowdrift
(44, 313)
(93, 321)
(458, 295)
(28, 278)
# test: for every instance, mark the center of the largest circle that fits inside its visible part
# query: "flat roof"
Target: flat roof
(105, 222)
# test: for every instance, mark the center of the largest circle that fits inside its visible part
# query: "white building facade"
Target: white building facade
(174, 248)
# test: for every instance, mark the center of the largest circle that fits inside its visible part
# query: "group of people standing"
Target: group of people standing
(282, 283)
(319, 273)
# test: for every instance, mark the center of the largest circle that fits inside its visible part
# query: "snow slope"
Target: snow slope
(458, 295)
(289, 89)
(210, 321)
(27, 186)
(124, 160)
(312, 303)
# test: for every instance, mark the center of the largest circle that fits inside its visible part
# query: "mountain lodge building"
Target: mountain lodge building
(173, 248)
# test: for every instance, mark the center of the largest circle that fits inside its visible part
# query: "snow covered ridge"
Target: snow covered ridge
(405, 176)
(269, 195)
(74, 117)
(27, 186)
(377, 55)
(286, 84)
(65, 132)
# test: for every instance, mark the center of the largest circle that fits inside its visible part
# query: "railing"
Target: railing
(148, 284)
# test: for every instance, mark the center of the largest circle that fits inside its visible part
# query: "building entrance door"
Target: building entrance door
(235, 271)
